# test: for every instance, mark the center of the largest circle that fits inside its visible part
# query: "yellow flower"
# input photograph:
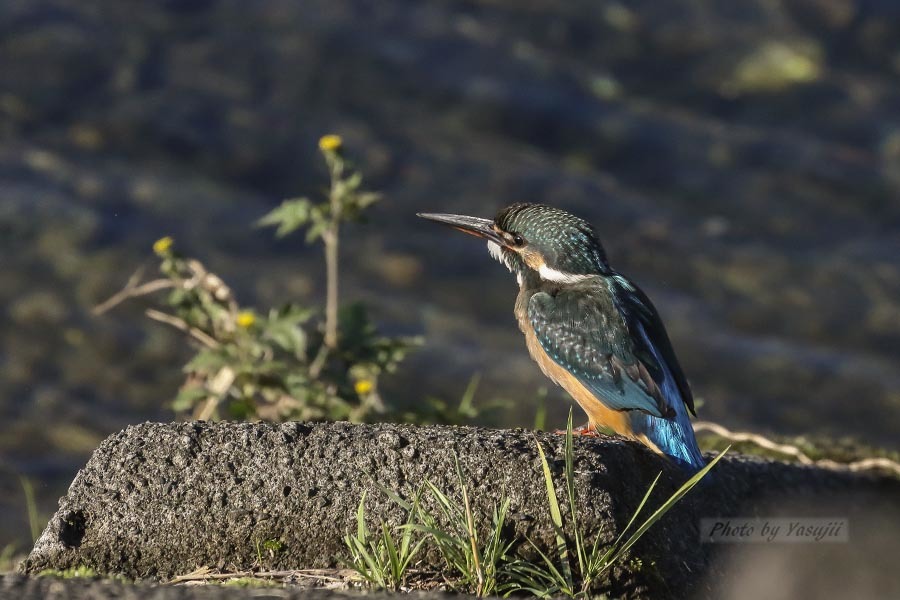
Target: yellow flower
(162, 246)
(246, 319)
(363, 386)
(330, 143)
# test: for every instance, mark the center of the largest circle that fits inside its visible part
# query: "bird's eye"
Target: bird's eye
(518, 240)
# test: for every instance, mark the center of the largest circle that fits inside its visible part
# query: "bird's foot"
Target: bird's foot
(586, 429)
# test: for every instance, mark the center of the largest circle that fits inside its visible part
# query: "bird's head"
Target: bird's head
(536, 242)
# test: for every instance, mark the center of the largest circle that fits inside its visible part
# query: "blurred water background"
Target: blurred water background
(740, 159)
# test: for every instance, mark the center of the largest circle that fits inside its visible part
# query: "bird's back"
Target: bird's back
(604, 343)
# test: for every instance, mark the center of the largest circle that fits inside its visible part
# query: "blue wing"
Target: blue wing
(651, 343)
(673, 436)
(582, 330)
(613, 340)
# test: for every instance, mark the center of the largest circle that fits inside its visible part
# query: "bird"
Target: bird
(591, 329)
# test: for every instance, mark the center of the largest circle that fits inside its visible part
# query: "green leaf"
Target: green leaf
(283, 329)
(177, 297)
(390, 548)
(208, 361)
(317, 230)
(289, 339)
(367, 199)
(188, 397)
(288, 217)
(353, 182)
(293, 314)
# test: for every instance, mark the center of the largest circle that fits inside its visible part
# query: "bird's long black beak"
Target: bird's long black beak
(483, 228)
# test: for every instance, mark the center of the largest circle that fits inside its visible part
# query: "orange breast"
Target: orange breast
(597, 412)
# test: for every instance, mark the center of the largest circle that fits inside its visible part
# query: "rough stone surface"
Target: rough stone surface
(50, 588)
(158, 500)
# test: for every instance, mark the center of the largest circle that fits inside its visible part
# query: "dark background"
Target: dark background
(741, 160)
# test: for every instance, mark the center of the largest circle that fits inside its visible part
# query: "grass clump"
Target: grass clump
(381, 560)
(475, 562)
(576, 566)
(478, 561)
(485, 562)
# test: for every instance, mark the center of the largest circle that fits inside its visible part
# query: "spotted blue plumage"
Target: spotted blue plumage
(581, 330)
(591, 329)
(605, 331)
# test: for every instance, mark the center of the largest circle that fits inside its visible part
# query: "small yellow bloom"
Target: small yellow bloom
(363, 386)
(246, 319)
(330, 143)
(163, 245)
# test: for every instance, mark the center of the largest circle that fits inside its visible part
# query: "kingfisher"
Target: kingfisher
(590, 329)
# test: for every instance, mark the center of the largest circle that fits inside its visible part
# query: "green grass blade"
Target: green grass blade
(361, 531)
(405, 505)
(439, 535)
(551, 572)
(451, 512)
(396, 573)
(34, 521)
(577, 534)
(466, 403)
(412, 516)
(474, 555)
(556, 516)
(668, 504)
(368, 567)
(638, 510)
(415, 550)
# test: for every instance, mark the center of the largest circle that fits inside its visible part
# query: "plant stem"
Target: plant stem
(331, 301)
(331, 241)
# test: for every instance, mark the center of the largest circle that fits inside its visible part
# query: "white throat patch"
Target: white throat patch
(497, 252)
(549, 274)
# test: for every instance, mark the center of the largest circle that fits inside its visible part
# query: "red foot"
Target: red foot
(586, 429)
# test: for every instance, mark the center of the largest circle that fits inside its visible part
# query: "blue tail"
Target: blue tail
(674, 438)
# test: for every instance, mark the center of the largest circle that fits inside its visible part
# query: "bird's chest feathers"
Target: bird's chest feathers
(550, 368)
(598, 413)
(547, 365)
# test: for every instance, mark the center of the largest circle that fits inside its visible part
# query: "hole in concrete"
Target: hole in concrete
(286, 491)
(72, 528)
